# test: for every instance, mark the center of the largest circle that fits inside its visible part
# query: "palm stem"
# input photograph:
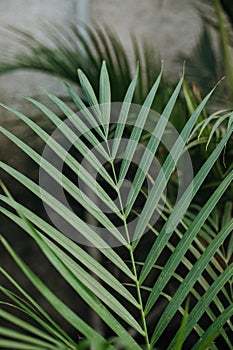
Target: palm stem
(129, 246)
(143, 318)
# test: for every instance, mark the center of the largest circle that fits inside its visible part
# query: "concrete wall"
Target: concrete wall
(171, 26)
(29, 15)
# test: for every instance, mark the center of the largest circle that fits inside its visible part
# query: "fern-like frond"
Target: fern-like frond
(91, 144)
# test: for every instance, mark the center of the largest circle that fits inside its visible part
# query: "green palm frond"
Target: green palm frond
(126, 294)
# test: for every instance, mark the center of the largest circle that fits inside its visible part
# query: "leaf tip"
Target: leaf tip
(183, 70)
(162, 65)
(79, 70)
(219, 82)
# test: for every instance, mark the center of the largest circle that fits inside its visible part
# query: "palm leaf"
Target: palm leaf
(75, 250)
(67, 313)
(124, 304)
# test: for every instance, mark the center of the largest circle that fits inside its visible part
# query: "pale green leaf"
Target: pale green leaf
(137, 129)
(74, 249)
(60, 307)
(185, 242)
(123, 115)
(105, 97)
(175, 216)
(70, 217)
(189, 282)
(6, 332)
(90, 95)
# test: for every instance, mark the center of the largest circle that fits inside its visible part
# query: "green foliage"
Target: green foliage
(123, 304)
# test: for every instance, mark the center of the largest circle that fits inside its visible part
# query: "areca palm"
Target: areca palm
(127, 304)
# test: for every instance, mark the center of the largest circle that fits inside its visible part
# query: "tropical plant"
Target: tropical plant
(128, 292)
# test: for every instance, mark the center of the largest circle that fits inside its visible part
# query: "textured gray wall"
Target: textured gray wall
(29, 15)
(171, 26)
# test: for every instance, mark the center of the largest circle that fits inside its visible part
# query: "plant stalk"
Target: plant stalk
(134, 269)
